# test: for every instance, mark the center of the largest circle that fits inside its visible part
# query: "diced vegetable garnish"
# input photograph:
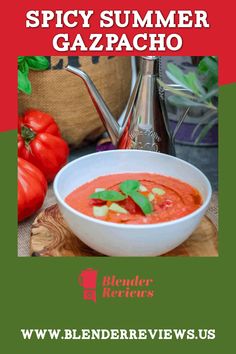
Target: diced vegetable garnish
(130, 189)
(166, 204)
(130, 206)
(142, 188)
(99, 190)
(100, 211)
(151, 197)
(158, 191)
(117, 208)
(97, 202)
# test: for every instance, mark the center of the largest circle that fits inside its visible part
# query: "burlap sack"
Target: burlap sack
(65, 96)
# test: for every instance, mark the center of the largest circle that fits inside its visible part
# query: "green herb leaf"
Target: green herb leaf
(193, 82)
(208, 67)
(141, 201)
(181, 91)
(20, 59)
(185, 102)
(205, 130)
(205, 120)
(129, 186)
(23, 67)
(108, 196)
(23, 82)
(37, 62)
(189, 81)
(176, 75)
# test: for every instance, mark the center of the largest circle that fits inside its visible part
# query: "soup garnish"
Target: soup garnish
(135, 198)
(130, 188)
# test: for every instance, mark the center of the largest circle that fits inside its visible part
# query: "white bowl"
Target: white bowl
(129, 240)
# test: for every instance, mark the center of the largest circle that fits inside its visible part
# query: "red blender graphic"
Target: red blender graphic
(87, 279)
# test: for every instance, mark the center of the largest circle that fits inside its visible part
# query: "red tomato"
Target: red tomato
(40, 143)
(32, 188)
(40, 122)
(97, 202)
(130, 206)
(19, 125)
(20, 144)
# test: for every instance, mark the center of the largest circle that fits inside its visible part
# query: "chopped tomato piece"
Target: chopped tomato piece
(97, 202)
(166, 204)
(130, 206)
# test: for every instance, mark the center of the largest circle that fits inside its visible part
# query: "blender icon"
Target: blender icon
(88, 280)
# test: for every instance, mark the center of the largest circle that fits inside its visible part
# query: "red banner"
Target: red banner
(199, 39)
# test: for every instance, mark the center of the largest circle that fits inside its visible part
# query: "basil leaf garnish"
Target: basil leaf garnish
(37, 62)
(108, 196)
(141, 201)
(129, 186)
(24, 84)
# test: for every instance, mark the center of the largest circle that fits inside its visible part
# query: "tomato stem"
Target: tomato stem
(27, 134)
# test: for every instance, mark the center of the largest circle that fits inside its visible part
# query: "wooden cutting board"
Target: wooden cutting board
(50, 236)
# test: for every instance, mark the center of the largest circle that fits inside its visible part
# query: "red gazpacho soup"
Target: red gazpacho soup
(135, 198)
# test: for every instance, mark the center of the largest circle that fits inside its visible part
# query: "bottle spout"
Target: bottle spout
(107, 118)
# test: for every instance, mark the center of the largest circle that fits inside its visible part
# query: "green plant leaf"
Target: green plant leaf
(129, 186)
(208, 67)
(107, 195)
(205, 130)
(142, 201)
(37, 62)
(177, 76)
(204, 120)
(214, 92)
(188, 81)
(203, 86)
(185, 102)
(195, 84)
(176, 91)
(24, 84)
